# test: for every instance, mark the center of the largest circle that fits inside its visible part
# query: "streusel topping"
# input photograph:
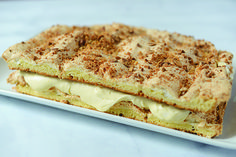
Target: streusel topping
(151, 58)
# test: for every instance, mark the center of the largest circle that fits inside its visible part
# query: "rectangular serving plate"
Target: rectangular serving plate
(226, 140)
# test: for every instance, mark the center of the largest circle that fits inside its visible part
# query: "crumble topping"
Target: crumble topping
(186, 67)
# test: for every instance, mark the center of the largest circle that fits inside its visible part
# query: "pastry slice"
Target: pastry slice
(157, 77)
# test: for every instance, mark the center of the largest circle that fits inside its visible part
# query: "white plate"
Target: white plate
(226, 140)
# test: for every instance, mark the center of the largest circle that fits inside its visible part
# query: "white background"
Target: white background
(31, 130)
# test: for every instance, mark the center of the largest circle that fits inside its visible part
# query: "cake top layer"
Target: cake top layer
(182, 65)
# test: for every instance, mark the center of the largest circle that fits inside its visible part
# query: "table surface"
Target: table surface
(32, 130)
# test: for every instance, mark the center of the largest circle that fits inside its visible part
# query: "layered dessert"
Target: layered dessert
(154, 76)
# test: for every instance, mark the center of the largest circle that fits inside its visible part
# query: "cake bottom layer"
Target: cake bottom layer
(129, 110)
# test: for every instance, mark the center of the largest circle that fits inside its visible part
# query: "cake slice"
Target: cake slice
(154, 76)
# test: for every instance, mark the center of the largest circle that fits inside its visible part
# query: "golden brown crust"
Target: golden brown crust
(186, 68)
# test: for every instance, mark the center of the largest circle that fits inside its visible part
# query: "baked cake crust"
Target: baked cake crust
(168, 67)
